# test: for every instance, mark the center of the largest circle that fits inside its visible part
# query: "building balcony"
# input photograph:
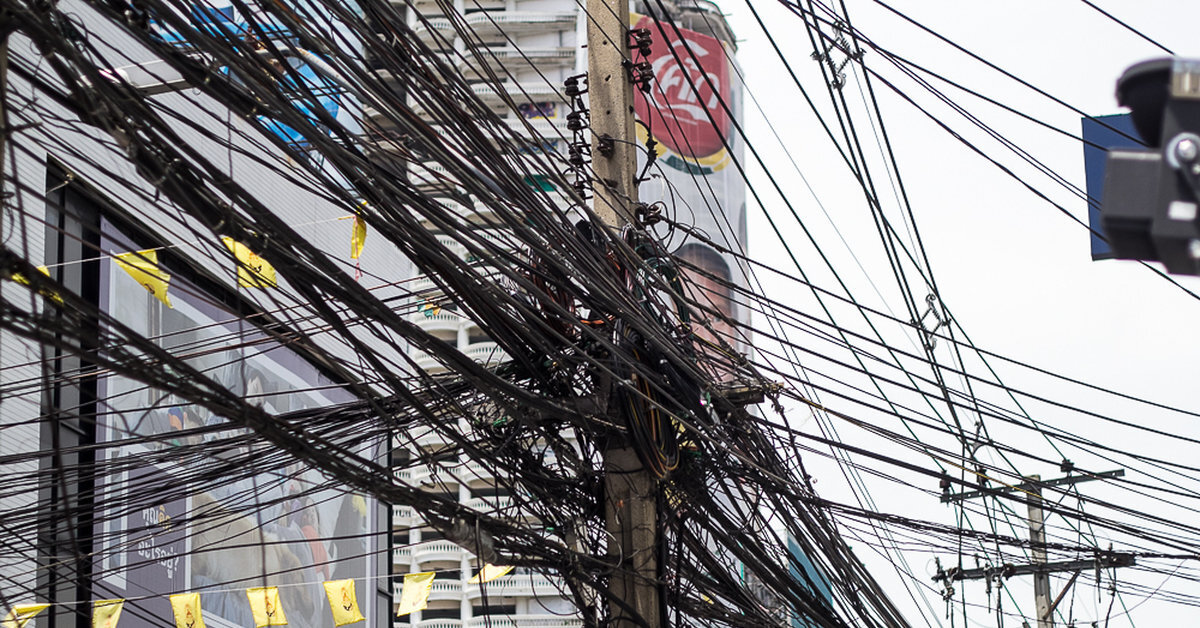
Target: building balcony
(427, 439)
(404, 515)
(437, 551)
(497, 621)
(454, 245)
(505, 60)
(443, 321)
(521, 585)
(423, 286)
(493, 24)
(475, 471)
(431, 7)
(428, 174)
(486, 353)
(435, 29)
(518, 92)
(522, 621)
(402, 556)
(426, 362)
(469, 214)
(421, 473)
(434, 623)
(542, 129)
(495, 506)
(498, 238)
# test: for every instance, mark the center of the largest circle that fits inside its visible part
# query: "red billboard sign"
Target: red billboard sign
(683, 110)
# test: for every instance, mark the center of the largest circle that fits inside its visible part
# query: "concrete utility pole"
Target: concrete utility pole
(1037, 540)
(610, 107)
(630, 490)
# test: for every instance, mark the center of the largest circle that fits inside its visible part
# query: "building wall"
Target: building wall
(111, 179)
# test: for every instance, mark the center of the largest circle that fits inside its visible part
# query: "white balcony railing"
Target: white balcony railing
(485, 352)
(522, 585)
(492, 505)
(426, 439)
(439, 623)
(519, 22)
(403, 515)
(426, 362)
(515, 60)
(492, 23)
(443, 321)
(522, 621)
(437, 551)
(519, 92)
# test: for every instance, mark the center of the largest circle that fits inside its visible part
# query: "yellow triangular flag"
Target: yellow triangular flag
(20, 614)
(106, 613)
(253, 271)
(21, 279)
(488, 573)
(264, 604)
(415, 594)
(186, 607)
(343, 601)
(358, 238)
(143, 267)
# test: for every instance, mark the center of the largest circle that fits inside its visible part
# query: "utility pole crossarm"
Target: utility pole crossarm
(1102, 561)
(1031, 486)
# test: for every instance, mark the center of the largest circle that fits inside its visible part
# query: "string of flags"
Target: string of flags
(415, 594)
(252, 270)
(265, 604)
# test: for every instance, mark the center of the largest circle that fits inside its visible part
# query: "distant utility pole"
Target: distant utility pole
(630, 490)
(1038, 567)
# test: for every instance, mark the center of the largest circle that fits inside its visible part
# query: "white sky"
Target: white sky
(1015, 271)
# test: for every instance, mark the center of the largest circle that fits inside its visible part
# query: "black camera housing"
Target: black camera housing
(1151, 195)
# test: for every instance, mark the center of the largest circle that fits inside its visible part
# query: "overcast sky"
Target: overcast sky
(1013, 268)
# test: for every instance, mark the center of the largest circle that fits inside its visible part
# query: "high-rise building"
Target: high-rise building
(532, 47)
